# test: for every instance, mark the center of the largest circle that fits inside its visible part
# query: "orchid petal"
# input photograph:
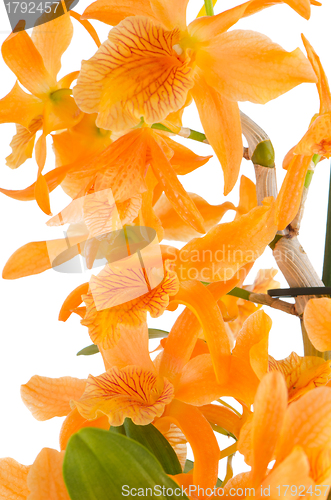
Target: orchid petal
(52, 39)
(202, 440)
(221, 122)
(172, 13)
(248, 66)
(202, 303)
(249, 234)
(74, 422)
(13, 477)
(270, 404)
(23, 58)
(49, 397)
(302, 374)
(20, 107)
(307, 423)
(173, 189)
(114, 11)
(130, 392)
(317, 320)
(289, 197)
(45, 479)
(73, 300)
(174, 226)
(322, 84)
(130, 73)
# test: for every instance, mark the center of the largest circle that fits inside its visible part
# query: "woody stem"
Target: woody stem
(264, 299)
(287, 251)
(326, 277)
(194, 135)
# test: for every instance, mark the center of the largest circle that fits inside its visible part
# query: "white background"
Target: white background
(32, 340)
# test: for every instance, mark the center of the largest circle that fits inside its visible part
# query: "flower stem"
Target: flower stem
(223, 403)
(265, 300)
(188, 133)
(230, 450)
(209, 7)
(326, 277)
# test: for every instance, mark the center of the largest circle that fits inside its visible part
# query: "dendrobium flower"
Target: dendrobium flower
(316, 141)
(287, 434)
(49, 106)
(134, 165)
(105, 325)
(134, 387)
(35, 395)
(152, 60)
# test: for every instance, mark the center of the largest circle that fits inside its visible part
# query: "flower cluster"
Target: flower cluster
(113, 126)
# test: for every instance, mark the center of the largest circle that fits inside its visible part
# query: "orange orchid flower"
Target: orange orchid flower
(249, 362)
(133, 166)
(104, 325)
(152, 60)
(276, 431)
(105, 319)
(36, 396)
(134, 387)
(71, 148)
(44, 476)
(241, 369)
(50, 106)
(316, 141)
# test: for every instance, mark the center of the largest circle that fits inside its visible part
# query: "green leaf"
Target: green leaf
(274, 242)
(241, 293)
(153, 333)
(188, 466)
(150, 437)
(88, 351)
(101, 465)
(157, 334)
(118, 430)
(235, 292)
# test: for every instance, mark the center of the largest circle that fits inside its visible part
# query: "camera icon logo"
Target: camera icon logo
(130, 256)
